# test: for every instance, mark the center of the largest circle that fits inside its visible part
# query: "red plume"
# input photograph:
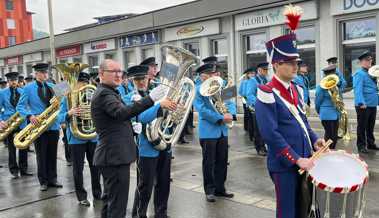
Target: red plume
(293, 14)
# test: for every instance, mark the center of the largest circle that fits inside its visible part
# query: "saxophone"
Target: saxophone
(330, 83)
(82, 126)
(13, 123)
(31, 132)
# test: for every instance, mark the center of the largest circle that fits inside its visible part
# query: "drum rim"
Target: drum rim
(341, 190)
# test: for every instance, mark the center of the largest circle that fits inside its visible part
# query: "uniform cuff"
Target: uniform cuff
(288, 156)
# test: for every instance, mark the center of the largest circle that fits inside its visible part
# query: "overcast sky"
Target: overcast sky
(71, 13)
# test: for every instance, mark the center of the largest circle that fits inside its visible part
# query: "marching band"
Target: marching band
(107, 119)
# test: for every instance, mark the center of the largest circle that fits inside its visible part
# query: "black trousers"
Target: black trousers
(46, 154)
(79, 151)
(258, 140)
(22, 164)
(365, 128)
(67, 148)
(154, 172)
(245, 118)
(116, 190)
(215, 161)
(251, 124)
(331, 131)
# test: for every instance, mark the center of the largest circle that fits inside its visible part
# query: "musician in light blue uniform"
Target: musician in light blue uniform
(154, 166)
(126, 87)
(33, 101)
(327, 111)
(284, 127)
(303, 81)
(342, 83)
(365, 101)
(213, 136)
(80, 149)
(247, 74)
(9, 98)
(251, 94)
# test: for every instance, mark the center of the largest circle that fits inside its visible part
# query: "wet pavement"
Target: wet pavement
(247, 178)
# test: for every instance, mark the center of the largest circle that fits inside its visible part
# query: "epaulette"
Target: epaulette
(265, 94)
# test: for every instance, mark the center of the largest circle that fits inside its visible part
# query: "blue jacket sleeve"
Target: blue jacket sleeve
(342, 84)
(232, 108)
(149, 115)
(266, 115)
(318, 99)
(251, 92)
(241, 88)
(22, 105)
(358, 89)
(63, 112)
(206, 112)
(2, 106)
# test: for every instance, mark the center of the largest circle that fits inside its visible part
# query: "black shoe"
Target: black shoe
(26, 174)
(363, 150)
(224, 194)
(211, 198)
(43, 188)
(55, 185)
(15, 175)
(85, 203)
(373, 147)
(262, 153)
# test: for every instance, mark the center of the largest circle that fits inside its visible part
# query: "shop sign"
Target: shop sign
(272, 16)
(349, 6)
(148, 38)
(205, 28)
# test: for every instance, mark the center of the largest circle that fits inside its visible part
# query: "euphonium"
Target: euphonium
(374, 72)
(212, 87)
(13, 123)
(82, 126)
(165, 131)
(31, 132)
(330, 83)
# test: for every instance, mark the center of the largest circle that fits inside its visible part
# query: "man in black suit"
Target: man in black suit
(116, 148)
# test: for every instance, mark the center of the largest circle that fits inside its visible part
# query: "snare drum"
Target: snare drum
(339, 180)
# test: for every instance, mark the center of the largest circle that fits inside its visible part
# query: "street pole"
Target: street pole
(52, 43)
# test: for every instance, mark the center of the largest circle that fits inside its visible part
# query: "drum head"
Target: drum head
(338, 169)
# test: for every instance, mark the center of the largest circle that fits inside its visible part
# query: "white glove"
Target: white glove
(137, 127)
(158, 93)
(136, 97)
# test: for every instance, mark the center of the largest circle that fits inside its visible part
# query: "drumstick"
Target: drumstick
(318, 153)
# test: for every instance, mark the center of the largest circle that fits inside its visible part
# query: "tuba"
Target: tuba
(374, 72)
(212, 87)
(31, 132)
(82, 126)
(330, 83)
(165, 131)
(13, 123)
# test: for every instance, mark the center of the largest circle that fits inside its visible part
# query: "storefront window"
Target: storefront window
(193, 47)
(255, 49)
(93, 62)
(358, 36)
(220, 50)
(147, 52)
(356, 29)
(2, 72)
(29, 69)
(110, 56)
(10, 69)
(130, 59)
(77, 60)
(20, 69)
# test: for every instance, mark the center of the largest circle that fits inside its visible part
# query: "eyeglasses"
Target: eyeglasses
(114, 71)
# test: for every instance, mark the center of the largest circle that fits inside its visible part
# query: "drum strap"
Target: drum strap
(295, 112)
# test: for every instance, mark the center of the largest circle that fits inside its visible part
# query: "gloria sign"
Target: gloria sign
(349, 6)
(192, 30)
(103, 45)
(272, 16)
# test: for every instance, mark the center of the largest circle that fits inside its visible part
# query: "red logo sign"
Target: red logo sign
(68, 51)
(13, 60)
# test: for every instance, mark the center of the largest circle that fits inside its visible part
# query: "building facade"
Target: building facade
(15, 23)
(234, 31)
